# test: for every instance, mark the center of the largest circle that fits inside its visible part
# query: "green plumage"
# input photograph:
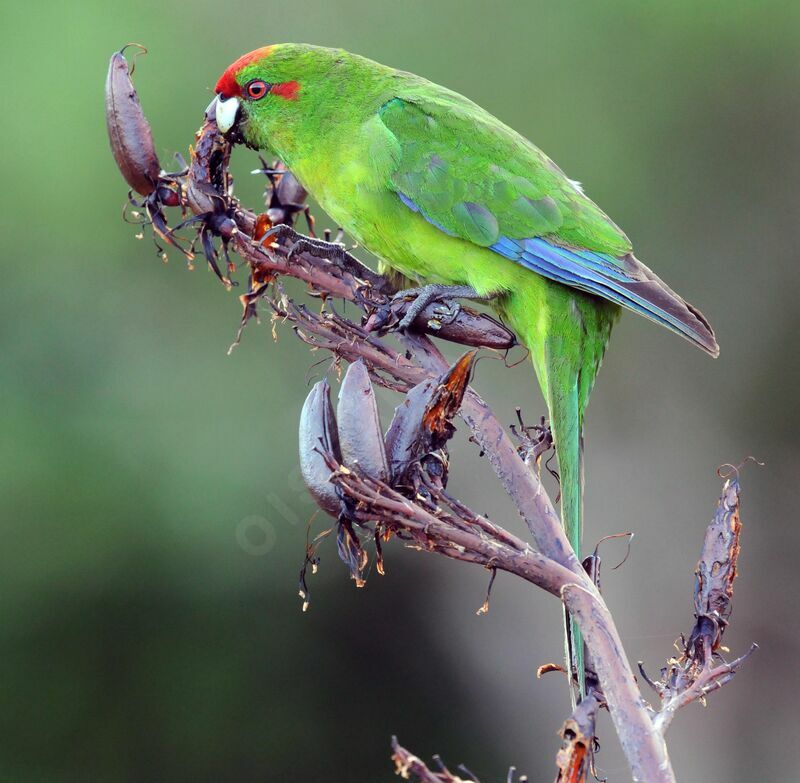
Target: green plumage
(480, 180)
(434, 185)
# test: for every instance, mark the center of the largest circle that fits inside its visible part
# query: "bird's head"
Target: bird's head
(272, 88)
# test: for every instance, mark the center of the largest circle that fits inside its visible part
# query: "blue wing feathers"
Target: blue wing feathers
(625, 280)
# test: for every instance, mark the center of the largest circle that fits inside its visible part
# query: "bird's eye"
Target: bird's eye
(256, 89)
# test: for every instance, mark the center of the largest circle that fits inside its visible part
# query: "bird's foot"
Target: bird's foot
(446, 311)
(335, 252)
(319, 248)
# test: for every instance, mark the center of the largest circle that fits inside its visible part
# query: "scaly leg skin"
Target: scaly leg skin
(318, 247)
(435, 292)
(333, 251)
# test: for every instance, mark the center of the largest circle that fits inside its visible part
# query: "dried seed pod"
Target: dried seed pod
(288, 197)
(404, 436)
(222, 225)
(360, 433)
(318, 434)
(168, 196)
(128, 130)
(290, 191)
(421, 423)
(716, 572)
(447, 399)
(472, 328)
(209, 181)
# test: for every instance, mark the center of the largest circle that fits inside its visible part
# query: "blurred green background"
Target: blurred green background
(153, 522)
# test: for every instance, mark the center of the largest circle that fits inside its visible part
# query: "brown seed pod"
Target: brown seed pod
(209, 181)
(288, 198)
(405, 439)
(360, 433)
(422, 422)
(472, 328)
(128, 130)
(318, 434)
(168, 196)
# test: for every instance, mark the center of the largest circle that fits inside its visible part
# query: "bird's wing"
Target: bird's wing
(476, 179)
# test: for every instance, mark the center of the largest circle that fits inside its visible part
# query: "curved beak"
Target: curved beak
(225, 112)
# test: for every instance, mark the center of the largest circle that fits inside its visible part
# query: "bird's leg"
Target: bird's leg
(436, 292)
(321, 248)
(335, 252)
(279, 231)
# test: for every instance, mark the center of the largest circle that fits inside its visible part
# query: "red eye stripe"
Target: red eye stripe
(287, 90)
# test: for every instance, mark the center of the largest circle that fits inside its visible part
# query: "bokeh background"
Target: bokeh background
(153, 522)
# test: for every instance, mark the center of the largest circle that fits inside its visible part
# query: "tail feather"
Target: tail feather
(567, 333)
(566, 419)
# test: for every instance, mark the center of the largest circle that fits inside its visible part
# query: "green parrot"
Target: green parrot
(448, 196)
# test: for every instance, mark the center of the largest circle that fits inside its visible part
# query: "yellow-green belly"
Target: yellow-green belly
(557, 323)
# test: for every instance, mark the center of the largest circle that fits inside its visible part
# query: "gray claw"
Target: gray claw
(405, 322)
(446, 312)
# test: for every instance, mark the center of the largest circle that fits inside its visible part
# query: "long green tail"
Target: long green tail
(566, 332)
(566, 421)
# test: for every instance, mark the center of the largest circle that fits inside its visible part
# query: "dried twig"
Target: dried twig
(575, 758)
(407, 765)
(700, 668)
